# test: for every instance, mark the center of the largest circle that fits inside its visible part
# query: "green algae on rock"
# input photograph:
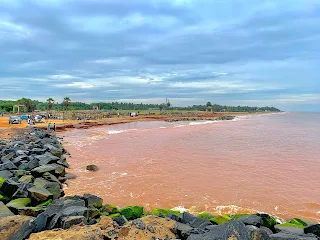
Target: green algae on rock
(221, 219)
(161, 212)
(132, 212)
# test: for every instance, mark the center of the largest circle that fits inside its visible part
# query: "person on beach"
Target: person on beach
(48, 126)
(54, 127)
(29, 122)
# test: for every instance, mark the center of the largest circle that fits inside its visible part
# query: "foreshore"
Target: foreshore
(8, 130)
(33, 170)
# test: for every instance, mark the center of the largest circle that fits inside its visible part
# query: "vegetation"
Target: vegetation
(31, 105)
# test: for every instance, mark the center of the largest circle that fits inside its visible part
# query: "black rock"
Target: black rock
(4, 211)
(68, 222)
(33, 163)
(253, 219)
(279, 228)
(292, 236)
(121, 220)
(46, 158)
(257, 233)
(93, 201)
(8, 154)
(20, 158)
(183, 230)
(38, 151)
(174, 217)
(139, 224)
(6, 174)
(38, 171)
(9, 187)
(195, 222)
(92, 168)
(7, 166)
(55, 189)
(315, 229)
(234, 230)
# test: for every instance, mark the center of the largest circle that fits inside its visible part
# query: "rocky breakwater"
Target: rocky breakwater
(189, 119)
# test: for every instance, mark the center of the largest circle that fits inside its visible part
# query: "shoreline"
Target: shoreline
(33, 203)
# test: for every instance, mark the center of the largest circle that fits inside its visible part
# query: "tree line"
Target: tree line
(67, 104)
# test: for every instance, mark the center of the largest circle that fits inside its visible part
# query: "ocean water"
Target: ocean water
(266, 163)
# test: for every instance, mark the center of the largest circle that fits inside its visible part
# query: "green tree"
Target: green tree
(168, 104)
(66, 102)
(161, 106)
(50, 103)
(209, 105)
(30, 104)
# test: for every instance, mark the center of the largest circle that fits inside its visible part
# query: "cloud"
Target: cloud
(191, 51)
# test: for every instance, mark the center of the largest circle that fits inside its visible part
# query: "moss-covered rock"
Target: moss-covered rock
(221, 219)
(16, 204)
(2, 180)
(160, 212)
(19, 173)
(132, 212)
(115, 215)
(110, 209)
(26, 179)
(239, 215)
(298, 222)
(205, 215)
(35, 211)
(268, 221)
(4, 198)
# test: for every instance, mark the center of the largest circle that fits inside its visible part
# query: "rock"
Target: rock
(9, 187)
(315, 229)
(174, 217)
(70, 176)
(54, 150)
(40, 182)
(132, 212)
(19, 173)
(257, 233)
(73, 220)
(15, 227)
(63, 162)
(138, 223)
(38, 171)
(35, 211)
(46, 159)
(4, 199)
(221, 219)
(183, 230)
(4, 212)
(10, 154)
(50, 177)
(55, 189)
(121, 220)
(59, 170)
(26, 179)
(74, 233)
(160, 212)
(110, 209)
(92, 212)
(20, 158)
(292, 236)
(93, 201)
(6, 174)
(2, 180)
(38, 151)
(254, 220)
(288, 227)
(92, 168)
(194, 222)
(231, 230)
(298, 222)
(268, 221)
(163, 229)
(205, 215)
(33, 163)
(40, 194)
(16, 204)
(7, 166)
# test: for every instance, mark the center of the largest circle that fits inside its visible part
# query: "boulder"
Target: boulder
(19, 173)
(132, 212)
(253, 219)
(9, 155)
(16, 204)
(92, 168)
(183, 230)
(63, 161)
(257, 233)
(315, 229)
(292, 236)
(38, 151)
(19, 159)
(59, 170)
(9, 187)
(110, 209)
(35, 211)
(40, 182)
(221, 219)
(31, 164)
(234, 230)
(289, 227)
(73, 220)
(38, 171)
(55, 189)
(40, 194)
(26, 179)
(93, 201)
(120, 220)
(160, 212)
(4, 212)
(46, 158)
(6, 174)
(50, 177)
(54, 150)
(15, 227)
(7, 166)
(267, 220)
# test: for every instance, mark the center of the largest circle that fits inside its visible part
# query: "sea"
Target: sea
(267, 163)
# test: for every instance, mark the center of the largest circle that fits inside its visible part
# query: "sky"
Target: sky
(230, 52)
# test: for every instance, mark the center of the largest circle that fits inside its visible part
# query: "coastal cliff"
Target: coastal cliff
(32, 205)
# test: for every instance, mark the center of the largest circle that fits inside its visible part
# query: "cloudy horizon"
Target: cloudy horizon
(229, 52)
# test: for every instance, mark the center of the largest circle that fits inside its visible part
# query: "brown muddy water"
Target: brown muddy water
(266, 163)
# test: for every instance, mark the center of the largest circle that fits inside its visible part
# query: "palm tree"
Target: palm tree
(50, 103)
(209, 105)
(66, 102)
